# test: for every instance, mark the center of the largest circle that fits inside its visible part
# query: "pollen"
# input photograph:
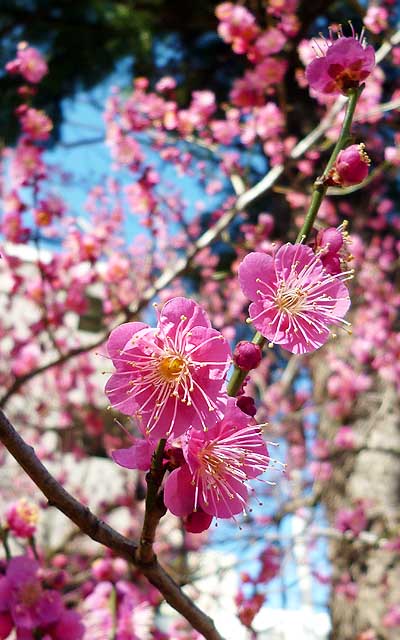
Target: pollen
(171, 367)
(290, 300)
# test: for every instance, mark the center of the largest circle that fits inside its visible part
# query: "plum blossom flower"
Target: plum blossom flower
(217, 464)
(29, 63)
(22, 517)
(35, 124)
(237, 26)
(131, 620)
(344, 64)
(170, 377)
(294, 298)
(23, 597)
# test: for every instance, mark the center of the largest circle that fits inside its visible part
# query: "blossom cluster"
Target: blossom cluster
(172, 379)
(31, 609)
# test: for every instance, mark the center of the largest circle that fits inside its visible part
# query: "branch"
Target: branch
(101, 532)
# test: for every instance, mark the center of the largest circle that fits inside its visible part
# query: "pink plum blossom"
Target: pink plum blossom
(344, 438)
(344, 64)
(130, 620)
(23, 597)
(391, 619)
(29, 63)
(217, 464)
(294, 298)
(36, 124)
(170, 377)
(237, 26)
(354, 520)
(22, 517)
(376, 19)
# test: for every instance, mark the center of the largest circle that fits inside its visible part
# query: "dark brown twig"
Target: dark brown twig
(101, 532)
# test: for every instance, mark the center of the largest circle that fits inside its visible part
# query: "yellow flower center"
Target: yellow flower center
(290, 301)
(171, 367)
(27, 511)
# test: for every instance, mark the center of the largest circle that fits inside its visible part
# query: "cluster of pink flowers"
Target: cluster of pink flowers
(172, 379)
(30, 609)
(117, 610)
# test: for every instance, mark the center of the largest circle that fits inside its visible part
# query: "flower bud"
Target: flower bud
(247, 355)
(351, 166)
(246, 404)
(330, 240)
(197, 521)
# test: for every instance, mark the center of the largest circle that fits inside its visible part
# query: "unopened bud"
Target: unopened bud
(247, 355)
(247, 405)
(351, 166)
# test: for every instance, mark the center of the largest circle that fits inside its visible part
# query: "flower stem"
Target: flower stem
(319, 190)
(4, 540)
(320, 187)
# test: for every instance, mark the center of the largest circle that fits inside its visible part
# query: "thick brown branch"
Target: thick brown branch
(99, 531)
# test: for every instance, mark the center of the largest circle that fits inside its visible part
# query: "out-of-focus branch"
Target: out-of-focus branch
(101, 532)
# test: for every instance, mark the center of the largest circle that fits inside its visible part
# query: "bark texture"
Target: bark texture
(370, 473)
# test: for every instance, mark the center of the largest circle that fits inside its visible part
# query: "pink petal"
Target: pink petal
(120, 336)
(5, 593)
(197, 521)
(224, 505)
(49, 607)
(118, 389)
(138, 456)
(255, 265)
(174, 309)
(179, 492)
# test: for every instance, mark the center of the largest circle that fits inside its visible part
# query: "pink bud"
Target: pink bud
(351, 166)
(246, 404)
(197, 521)
(247, 355)
(331, 240)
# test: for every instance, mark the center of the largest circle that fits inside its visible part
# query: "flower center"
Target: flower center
(290, 301)
(27, 512)
(210, 462)
(171, 367)
(30, 593)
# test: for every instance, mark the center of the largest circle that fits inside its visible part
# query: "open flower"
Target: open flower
(344, 65)
(23, 597)
(295, 298)
(22, 517)
(171, 377)
(217, 464)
